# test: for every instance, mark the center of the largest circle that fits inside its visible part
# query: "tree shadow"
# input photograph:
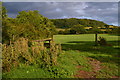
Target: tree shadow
(110, 59)
(89, 46)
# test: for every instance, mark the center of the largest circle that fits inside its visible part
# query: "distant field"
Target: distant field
(82, 37)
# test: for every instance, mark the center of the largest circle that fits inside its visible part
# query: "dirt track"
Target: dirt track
(95, 68)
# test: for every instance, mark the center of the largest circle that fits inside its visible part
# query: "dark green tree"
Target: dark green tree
(31, 25)
(4, 12)
(78, 29)
(68, 23)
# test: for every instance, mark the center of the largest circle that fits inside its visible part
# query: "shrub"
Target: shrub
(15, 53)
(102, 41)
(20, 52)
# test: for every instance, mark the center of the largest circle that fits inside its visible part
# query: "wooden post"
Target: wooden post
(10, 41)
(96, 39)
(41, 45)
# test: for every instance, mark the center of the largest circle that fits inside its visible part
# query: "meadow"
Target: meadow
(80, 58)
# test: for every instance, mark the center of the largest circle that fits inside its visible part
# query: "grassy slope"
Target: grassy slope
(107, 55)
(76, 49)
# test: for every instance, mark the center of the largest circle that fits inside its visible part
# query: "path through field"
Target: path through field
(96, 67)
(102, 59)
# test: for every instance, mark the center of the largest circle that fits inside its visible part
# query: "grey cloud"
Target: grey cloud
(103, 11)
(106, 11)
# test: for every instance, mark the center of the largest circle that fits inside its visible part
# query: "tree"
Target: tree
(0, 22)
(78, 29)
(4, 12)
(116, 31)
(31, 25)
(70, 22)
(95, 30)
(4, 23)
(41, 24)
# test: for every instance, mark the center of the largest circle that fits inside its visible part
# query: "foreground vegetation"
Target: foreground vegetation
(78, 51)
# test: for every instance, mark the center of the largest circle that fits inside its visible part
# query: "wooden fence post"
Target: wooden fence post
(96, 39)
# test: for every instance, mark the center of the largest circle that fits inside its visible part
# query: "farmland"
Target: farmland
(79, 58)
(38, 43)
(82, 37)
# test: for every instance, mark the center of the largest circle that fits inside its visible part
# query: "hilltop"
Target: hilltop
(69, 22)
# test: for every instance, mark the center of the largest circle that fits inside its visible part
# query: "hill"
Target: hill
(69, 22)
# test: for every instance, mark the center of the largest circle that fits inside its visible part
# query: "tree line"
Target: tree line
(78, 26)
(70, 22)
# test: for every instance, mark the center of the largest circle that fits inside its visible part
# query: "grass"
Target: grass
(27, 72)
(82, 37)
(76, 50)
(84, 43)
(65, 68)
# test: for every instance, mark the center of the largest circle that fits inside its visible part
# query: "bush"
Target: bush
(102, 41)
(14, 53)
(20, 52)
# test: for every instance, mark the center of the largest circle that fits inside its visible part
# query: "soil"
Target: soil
(95, 68)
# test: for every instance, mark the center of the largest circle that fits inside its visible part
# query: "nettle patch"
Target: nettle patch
(19, 52)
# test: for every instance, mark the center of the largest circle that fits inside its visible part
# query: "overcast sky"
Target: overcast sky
(102, 11)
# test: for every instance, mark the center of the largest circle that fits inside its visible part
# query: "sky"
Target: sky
(102, 11)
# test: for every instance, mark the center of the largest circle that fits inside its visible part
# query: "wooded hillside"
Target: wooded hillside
(68, 23)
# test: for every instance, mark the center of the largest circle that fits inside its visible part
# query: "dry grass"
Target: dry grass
(19, 51)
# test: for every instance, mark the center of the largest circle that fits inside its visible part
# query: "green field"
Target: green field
(84, 44)
(79, 56)
(82, 37)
